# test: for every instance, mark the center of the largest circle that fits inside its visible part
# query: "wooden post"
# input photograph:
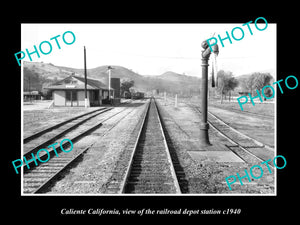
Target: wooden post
(85, 81)
(109, 77)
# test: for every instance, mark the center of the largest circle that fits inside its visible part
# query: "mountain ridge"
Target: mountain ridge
(38, 75)
(47, 73)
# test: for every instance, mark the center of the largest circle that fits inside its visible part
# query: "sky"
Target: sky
(152, 49)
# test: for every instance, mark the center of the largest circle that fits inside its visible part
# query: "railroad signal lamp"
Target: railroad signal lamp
(215, 49)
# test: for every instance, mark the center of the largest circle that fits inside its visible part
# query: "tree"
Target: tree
(32, 80)
(257, 81)
(250, 83)
(126, 85)
(231, 84)
(226, 83)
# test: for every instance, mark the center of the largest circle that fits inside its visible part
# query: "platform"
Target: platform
(214, 153)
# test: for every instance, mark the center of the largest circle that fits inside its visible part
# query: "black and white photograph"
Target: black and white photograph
(193, 117)
(149, 109)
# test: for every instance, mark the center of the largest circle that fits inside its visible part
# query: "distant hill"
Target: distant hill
(101, 72)
(38, 75)
(176, 77)
(47, 70)
(177, 83)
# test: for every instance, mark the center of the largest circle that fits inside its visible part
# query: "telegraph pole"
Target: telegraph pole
(109, 78)
(85, 80)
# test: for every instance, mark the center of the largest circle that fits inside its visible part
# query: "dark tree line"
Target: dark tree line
(126, 85)
(32, 81)
(256, 81)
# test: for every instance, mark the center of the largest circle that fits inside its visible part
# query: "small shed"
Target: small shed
(71, 92)
(31, 95)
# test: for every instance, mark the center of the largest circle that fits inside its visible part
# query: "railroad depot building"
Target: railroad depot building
(70, 92)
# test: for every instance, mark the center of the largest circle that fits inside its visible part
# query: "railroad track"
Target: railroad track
(151, 168)
(38, 178)
(47, 136)
(242, 145)
(58, 125)
(249, 113)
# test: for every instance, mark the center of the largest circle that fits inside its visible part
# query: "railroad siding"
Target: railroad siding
(92, 174)
(103, 166)
(208, 177)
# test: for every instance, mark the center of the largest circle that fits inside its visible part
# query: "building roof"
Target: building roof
(76, 82)
(31, 93)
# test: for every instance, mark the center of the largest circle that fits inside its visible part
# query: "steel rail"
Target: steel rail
(39, 133)
(135, 150)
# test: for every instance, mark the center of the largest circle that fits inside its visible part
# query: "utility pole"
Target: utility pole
(204, 126)
(29, 89)
(85, 81)
(109, 79)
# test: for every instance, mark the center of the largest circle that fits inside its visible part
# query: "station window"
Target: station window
(71, 95)
(74, 95)
(68, 95)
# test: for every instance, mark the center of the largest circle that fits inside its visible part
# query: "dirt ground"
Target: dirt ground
(93, 172)
(208, 176)
(91, 175)
(40, 119)
(261, 129)
(265, 108)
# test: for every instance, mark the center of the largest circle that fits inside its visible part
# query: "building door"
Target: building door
(59, 98)
(94, 98)
(71, 98)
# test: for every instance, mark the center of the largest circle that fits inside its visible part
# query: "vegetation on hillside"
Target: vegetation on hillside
(38, 75)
